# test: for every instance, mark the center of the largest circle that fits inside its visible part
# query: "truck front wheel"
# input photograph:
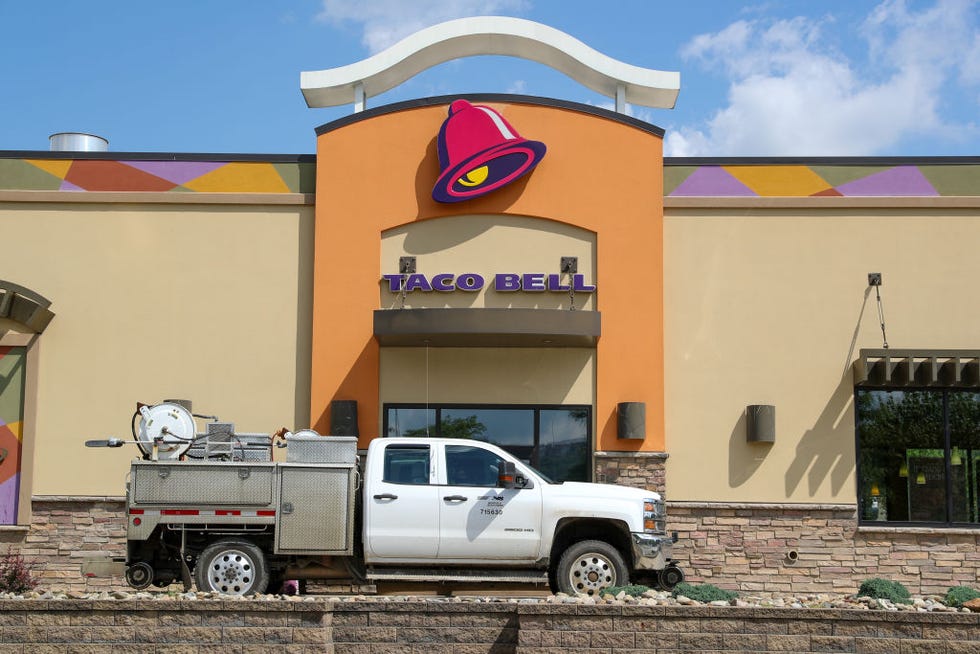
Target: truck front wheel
(232, 567)
(590, 566)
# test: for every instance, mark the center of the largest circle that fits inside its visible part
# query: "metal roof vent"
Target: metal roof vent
(77, 142)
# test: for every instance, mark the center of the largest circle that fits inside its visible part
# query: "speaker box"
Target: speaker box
(760, 423)
(631, 420)
(343, 418)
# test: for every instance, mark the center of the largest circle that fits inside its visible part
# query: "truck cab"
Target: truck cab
(464, 503)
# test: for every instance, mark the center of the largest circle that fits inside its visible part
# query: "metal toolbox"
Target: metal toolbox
(309, 447)
(195, 484)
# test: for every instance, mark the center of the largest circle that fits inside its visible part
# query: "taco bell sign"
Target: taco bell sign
(501, 282)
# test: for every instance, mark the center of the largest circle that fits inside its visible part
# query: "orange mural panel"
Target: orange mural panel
(600, 174)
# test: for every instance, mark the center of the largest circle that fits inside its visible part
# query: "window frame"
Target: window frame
(31, 344)
(947, 448)
(536, 416)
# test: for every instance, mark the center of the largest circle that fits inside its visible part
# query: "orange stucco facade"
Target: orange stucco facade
(601, 174)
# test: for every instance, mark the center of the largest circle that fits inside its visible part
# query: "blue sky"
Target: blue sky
(775, 77)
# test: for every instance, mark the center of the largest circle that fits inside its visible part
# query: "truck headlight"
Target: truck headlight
(654, 515)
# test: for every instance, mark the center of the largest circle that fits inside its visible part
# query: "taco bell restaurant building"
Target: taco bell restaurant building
(786, 348)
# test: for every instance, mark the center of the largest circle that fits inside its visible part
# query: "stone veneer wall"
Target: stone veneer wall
(464, 627)
(637, 469)
(752, 548)
(802, 548)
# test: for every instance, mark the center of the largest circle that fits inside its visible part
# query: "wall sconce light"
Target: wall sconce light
(760, 423)
(631, 420)
(875, 491)
(955, 459)
(920, 478)
(903, 470)
(406, 265)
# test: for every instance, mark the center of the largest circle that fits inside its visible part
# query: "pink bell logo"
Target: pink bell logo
(479, 152)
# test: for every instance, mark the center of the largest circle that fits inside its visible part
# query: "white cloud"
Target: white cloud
(792, 93)
(385, 22)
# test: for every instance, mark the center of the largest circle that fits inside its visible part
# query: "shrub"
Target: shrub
(957, 595)
(703, 593)
(16, 574)
(884, 589)
(632, 591)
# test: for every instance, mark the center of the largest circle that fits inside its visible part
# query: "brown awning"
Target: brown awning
(486, 327)
(918, 368)
(24, 306)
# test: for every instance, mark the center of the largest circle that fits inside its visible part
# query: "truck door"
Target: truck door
(401, 507)
(478, 520)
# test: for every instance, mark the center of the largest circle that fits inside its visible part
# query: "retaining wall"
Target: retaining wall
(464, 627)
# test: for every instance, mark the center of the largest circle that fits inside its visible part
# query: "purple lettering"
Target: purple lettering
(469, 282)
(394, 282)
(443, 282)
(554, 283)
(533, 282)
(578, 283)
(507, 282)
(417, 282)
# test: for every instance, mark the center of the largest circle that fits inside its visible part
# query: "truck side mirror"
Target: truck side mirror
(507, 475)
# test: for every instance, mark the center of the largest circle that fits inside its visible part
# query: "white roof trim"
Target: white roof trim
(490, 35)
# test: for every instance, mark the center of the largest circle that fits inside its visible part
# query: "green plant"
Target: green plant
(703, 593)
(885, 589)
(16, 574)
(958, 595)
(632, 591)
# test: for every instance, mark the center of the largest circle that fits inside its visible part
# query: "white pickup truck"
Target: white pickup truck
(418, 509)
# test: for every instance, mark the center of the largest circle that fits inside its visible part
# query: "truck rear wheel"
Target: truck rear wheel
(589, 567)
(232, 567)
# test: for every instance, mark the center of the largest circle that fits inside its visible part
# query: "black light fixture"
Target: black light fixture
(760, 423)
(631, 420)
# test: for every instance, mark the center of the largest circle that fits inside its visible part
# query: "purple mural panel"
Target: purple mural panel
(8, 500)
(177, 172)
(898, 181)
(68, 186)
(712, 181)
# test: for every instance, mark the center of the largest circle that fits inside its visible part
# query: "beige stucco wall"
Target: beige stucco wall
(488, 375)
(487, 245)
(206, 302)
(771, 307)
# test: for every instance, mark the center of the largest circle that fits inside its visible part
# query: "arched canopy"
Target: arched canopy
(490, 35)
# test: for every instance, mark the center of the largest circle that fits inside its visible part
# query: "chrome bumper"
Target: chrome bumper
(651, 551)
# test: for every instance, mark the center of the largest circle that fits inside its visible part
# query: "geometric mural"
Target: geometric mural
(178, 176)
(12, 360)
(682, 178)
(823, 180)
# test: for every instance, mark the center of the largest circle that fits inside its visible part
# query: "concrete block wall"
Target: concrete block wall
(447, 627)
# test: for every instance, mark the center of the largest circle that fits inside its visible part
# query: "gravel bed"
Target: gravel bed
(649, 598)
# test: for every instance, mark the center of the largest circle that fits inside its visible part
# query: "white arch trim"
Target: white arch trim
(490, 35)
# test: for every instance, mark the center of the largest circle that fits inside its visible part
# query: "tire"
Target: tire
(231, 567)
(590, 566)
(670, 577)
(139, 575)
